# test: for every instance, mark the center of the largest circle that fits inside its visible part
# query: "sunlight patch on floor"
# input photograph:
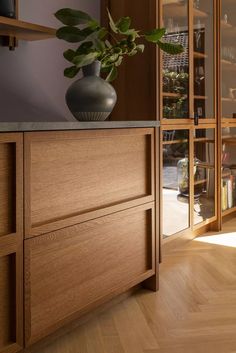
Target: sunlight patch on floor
(224, 239)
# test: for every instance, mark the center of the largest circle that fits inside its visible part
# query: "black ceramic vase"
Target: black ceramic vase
(7, 8)
(91, 98)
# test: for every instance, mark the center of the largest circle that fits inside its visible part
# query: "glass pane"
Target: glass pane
(176, 68)
(203, 22)
(175, 181)
(204, 175)
(228, 168)
(228, 59)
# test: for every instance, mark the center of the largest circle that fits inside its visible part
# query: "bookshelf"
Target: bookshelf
(187, 91)
(190, 106)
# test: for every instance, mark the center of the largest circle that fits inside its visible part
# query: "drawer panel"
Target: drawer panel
(72, 270)
(72, 177)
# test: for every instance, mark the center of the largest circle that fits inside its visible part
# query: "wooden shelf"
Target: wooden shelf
(170, 95)
(198, 55)
(198, 182)
(198, 13)
(228, 65)
(205, 165)
(179, 10)
(173, 95)
(203, 139)
(200, 97)
(225, 175)
(229, 211)
(225, 25)
(24, 30)
(229, 141)
(230, 100)
(172, 142)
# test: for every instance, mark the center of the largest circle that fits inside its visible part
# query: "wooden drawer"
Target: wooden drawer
(72, 270)
(71, 177)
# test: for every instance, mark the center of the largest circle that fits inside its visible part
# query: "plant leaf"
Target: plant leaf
(123, 24)
(83, 60)
(155, 35)
(171, 48)
(119, 61)
(102, 33)
(112, 23)
(108, 44)
(112, 74)
(69, 55)
(93, 24)
(71, 72)
(70, 34)
(133, 52)
(140, 48)
(72, 17)
(99, 45)
(84, 48)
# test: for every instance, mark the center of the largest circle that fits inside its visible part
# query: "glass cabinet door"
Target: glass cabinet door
(175, 181)
(228, 183)
(228, 59)
(175, 69)
(203, 59)
(204, 175)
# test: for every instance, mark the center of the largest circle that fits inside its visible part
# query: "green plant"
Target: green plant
(109, 46)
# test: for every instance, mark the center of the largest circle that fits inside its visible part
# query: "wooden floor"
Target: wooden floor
(194, 311)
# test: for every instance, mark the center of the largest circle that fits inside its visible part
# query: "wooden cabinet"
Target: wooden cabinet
(11, 242)
(93, 194)
(90, 225)
(184, 99)
(74, 269)
(227, 106)
(188, 115)
(73, 177)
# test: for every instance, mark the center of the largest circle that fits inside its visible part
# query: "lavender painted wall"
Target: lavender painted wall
(32, 85)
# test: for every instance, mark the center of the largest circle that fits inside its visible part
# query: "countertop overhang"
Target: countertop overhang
(57, 126)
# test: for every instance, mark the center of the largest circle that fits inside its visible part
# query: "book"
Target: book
(229, 183)
(224, 194)
(233, 178)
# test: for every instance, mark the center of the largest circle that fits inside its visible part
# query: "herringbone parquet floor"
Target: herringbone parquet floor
(194, 311)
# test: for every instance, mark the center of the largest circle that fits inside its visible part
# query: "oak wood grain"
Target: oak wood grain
(11, 242)
(71, 177)
(72, 270)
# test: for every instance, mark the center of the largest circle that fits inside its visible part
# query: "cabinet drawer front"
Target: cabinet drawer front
(73, 270)
(71, 177)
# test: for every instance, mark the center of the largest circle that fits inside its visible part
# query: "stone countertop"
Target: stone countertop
(56, 126)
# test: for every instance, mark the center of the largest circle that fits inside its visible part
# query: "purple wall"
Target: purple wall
(32, 85)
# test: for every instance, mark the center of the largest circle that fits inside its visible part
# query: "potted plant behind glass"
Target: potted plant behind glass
(100, 50)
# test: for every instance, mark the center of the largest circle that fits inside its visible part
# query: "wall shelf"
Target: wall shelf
(23, 30)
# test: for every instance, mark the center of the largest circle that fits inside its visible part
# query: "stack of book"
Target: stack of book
(228, 190)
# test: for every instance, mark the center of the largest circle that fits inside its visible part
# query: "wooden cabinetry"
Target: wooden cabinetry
(227, 106)
(73, 177)
(93, 194)
(90, 226)
(74, 269)
(11, 242)
(184, 90)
